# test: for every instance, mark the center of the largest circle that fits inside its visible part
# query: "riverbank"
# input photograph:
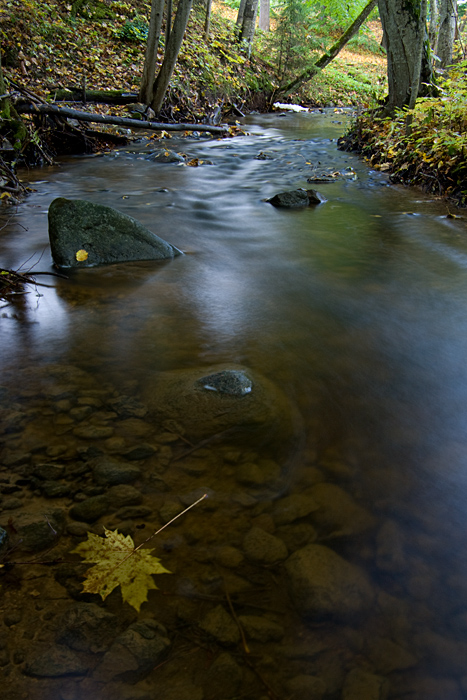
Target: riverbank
(425, 146)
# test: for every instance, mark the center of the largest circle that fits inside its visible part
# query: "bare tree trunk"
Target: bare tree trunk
(264, 14)
(150, 60)
(404, 25)
(333, 51)
(172, 50)
(168, 26)
(434, 25)
(241, 12)
(207, 21)
(447, 31)
(249, 21)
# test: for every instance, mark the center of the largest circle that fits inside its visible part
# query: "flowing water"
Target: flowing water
(355, 310)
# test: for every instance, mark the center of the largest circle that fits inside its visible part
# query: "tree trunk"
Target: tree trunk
(168, 26)
(433, 30)
(249, 21)
(447, 31)
(241, 12)
(333, 51)
(264, 13)
(207, 21)
(150, 60)
(172, 50)
(404, 26)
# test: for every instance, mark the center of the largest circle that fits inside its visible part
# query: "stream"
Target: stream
(328, 561)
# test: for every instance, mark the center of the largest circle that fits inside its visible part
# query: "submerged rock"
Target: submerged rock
(214, 400)
(166, 156)
(324, 585)
(85, 234)
(296, 199)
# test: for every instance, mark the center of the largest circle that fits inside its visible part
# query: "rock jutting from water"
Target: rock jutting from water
(224, 400)
(296, 199)
(85, 234)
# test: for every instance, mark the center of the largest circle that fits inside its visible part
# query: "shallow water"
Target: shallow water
(355, 310)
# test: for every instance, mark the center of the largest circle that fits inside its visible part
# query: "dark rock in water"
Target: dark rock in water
(56, 662)
(134, 653)
(166, 156)
(87, 627)
(263, 156)
(35, 530)
(228, 381)
(296, 199)
(84, 234)
(324, 585)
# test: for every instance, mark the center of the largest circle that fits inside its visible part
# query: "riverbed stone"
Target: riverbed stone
(87, 627)
(363, 685)
(134, 653)
(324, 585)
(293, 507)
(124, 495)
(296, 199)
(220, 625)
(90, 510)
(261, 547)
(306, 687)
(110, 472)
(85, 234)
(241, 404)
(261, 629)
(35, 530)
(337, 513)
(224, 676)
(56, 662)
(165, 156)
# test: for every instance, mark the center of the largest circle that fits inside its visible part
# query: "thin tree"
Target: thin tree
(264, 15)
(247, 31)
(330, 55)
(150, 59)
(207, 20)
(172, 50)
(447, 31)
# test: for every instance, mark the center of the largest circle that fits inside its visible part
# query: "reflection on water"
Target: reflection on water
(355, 310)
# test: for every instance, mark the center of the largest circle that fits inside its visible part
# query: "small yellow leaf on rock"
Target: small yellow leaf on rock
(118, 563)
(193, 163)
(81, 255)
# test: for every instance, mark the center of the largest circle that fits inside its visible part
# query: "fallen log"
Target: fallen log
(108, 97)
(30, 108)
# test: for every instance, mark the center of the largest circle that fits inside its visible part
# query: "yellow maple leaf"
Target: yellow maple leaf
(81, 255)
(118, 563)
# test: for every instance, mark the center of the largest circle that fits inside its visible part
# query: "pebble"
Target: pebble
(110, 472)
(93, 432)
(261, 629)
(56, 662)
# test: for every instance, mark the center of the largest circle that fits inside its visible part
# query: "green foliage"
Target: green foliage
(134, 30)
(432, 151)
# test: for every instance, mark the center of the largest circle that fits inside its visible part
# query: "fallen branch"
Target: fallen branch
(30, 108)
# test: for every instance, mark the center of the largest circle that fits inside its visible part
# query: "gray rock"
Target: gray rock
(109, 472)
(262, 414)
(50, 471)
(262, 548)
(220, 625)
(263, 473)
(166, 156)
(55, 663)
(296, 199)
(87, 627)
(134, 653)
(362, 685)
(134, 512)
(55, 489)
(90, 510)
(106, 235)
(322, 584)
